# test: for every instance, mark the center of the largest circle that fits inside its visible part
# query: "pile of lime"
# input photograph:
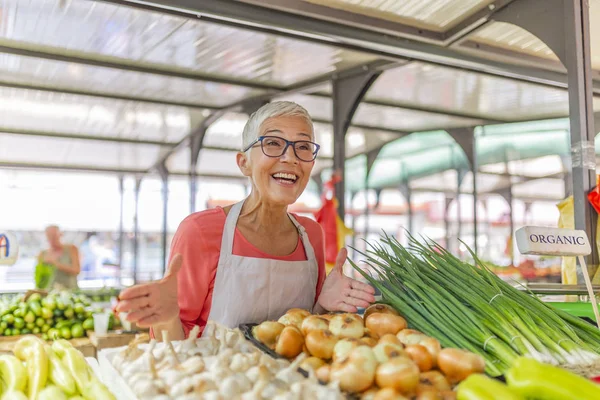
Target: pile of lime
(59, 315)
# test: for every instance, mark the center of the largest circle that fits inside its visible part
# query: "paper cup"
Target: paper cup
(101, 323)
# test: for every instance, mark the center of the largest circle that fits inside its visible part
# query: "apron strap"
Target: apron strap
(229, 230)
(310, 252)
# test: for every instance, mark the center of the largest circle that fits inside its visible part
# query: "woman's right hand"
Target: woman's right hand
(154, 302)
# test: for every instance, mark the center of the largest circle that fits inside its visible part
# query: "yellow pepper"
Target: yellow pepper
(13, 395)
(31, 350)
(533, 379)
(52, 392)
(59, 374)
(13, 376)
(480, 387)
(87, 383)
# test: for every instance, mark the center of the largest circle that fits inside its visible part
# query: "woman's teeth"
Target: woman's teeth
(287, 177)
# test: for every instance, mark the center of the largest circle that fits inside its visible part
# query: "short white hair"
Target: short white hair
(272, 110)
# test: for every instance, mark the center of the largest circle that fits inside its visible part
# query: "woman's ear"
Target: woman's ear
(243, 163)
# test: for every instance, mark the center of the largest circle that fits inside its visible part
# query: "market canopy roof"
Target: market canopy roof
(116, 86)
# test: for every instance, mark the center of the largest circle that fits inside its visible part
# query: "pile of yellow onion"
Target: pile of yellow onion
(375, 355)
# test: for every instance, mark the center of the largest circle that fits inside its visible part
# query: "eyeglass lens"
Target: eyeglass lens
(274, 147)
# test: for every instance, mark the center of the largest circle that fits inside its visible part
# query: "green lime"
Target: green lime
(79, 308)
(53, 334)
(77, 331)
(60, 304)
(30, 325)
(80, 316)
(36, 308)
(57, 313)
(88, 324)
(36, 330)
(45, 336)
(45, 328)
(8, 332)
(19, 323)
(29, 317)
(65, 333)
(2, 331)
(40, 322)
(34, 297)
(69, 313)
(25, 331)
(49, 303)
(9, 319)
(46, 313)
(3, 325)
(16, 332)
(19, 313)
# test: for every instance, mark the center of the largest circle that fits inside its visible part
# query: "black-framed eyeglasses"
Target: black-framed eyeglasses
(275, 146)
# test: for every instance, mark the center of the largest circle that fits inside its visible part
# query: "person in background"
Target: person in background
(63, 257)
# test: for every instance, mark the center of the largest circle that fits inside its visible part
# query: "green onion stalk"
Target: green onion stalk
(467, 306)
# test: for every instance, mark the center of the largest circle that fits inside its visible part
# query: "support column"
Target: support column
(121, 223)
(348, 91)
(371, 157)
(465, 138)
(164, 176)
(407, 193)
(564, 26)
(447, 224)
(507, 194)
(136, 227)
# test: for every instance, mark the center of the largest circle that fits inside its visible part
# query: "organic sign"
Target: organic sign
(9, 249)
(552, 241)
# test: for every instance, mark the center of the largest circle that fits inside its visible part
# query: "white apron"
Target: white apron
(253, 290)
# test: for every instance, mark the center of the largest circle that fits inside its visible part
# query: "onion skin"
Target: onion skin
(368, 341)
(314, 322)
(312, 363)
(427, 393)
(388, 394)
(379, 308)
(458, 364)
(368, 333)
(294, 319)
(267, 333)
(399, 373)
(411, 336)
(323, 373)
(344, 347)
(382, 324)
(355, 373)
(346, 326)
(433, 346)
(321, 344)
(448, 395)
(420, 356)
(290, 342)
(435, 379)
(386, 351)
(300, 311)
(390, 338)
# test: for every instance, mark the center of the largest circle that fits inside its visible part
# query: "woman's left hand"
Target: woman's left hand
(341, 293)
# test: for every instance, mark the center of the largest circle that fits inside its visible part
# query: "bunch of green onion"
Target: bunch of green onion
(467, 306)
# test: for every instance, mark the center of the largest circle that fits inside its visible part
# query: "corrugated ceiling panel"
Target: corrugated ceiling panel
(552, 189)
(475, 94)
(317, 107)
(35, 71)
(59, 152)
(151, 37)
(227, 131)
(439, 15)
(407, 120)
(36, 110)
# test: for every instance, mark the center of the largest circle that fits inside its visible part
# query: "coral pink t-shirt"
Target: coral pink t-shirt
(198, 240)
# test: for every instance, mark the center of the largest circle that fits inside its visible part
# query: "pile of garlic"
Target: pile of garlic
(222, 365)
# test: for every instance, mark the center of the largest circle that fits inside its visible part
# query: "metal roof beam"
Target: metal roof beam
(357, 38)
(105, 61)
(105, 95)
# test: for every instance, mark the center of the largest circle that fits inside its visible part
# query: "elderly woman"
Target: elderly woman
(251, 261)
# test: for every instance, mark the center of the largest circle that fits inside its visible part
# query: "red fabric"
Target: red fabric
(198, 240)
(594, 199)
(326, 217)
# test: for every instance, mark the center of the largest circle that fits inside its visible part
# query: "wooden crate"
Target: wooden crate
(112, 339)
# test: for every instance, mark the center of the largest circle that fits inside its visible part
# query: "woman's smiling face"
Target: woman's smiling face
(279, 180)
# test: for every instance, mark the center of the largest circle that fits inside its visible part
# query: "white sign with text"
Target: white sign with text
(9, 248)
(552, 241)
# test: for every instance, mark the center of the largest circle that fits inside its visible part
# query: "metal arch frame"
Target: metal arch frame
(343, 36)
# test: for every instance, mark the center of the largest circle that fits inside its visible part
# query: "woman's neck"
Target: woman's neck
(264, 217)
